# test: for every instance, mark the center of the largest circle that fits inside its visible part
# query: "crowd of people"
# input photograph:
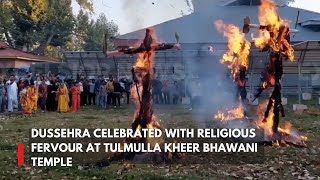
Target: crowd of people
(50, 93)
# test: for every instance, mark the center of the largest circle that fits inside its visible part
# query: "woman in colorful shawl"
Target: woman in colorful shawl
(75, 91)
(25, 100)
(63, 98)
(33, 95)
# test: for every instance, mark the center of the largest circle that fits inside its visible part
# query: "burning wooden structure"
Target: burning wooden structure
(237, 60)
(147, 45)
(143, 77)
(142, 91)
(274, 36)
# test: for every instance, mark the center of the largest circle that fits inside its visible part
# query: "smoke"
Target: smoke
(212, 89)
(134, 12)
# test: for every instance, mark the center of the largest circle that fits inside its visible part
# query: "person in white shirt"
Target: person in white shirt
(82, 95)
(12, 93)
(81, 86)
(46, 81)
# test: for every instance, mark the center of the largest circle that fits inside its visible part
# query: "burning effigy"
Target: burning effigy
(237, 60)
(274, 37)
(143, 73)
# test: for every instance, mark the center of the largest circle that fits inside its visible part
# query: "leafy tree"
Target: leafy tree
(58, 27)
(97, 31)
(6, 23)
(38, 24)
(82, 25)
(86, 4)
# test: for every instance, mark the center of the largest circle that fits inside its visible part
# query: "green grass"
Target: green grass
(280, 162)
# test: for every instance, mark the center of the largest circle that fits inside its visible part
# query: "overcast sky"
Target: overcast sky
(132, 15)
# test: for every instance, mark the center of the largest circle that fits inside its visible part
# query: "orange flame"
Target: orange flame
(275, 32)
(287, 129)
(228, 115)
(145, 61)
(238, 47)
(266, 126)
(143, 66)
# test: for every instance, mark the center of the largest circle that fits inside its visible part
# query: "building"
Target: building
(197, 33)
(11, 59)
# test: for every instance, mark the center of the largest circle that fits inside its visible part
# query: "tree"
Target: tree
(82, 25)
(86, 4)
(89, 33)
(97, 31)
(49, 26)
(57, 28)
(38, 24)
(6, 23)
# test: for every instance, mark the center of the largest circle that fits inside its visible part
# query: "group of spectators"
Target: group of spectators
(105, 92)
(167, 92)
(50, 93)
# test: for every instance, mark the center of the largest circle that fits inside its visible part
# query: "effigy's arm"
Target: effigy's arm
(157, 47)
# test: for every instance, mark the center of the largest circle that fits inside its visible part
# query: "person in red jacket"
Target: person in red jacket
(75, 91)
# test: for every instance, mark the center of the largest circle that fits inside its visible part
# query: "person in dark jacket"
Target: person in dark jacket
(51, 102)
(86, 89)
(117, 93)
(158, 91)
(127, 84)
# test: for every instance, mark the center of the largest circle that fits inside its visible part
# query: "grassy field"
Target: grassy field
(280, 162)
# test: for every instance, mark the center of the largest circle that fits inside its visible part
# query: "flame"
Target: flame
(236, 58)
(145, 61)
(228, 115)
(275, 32)
(287, 130)
(266, 126)
(238, 47)
(144, 73)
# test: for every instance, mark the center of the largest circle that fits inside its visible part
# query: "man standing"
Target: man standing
(110, 90)
(166, 91)
(12, 94)
(97, 85)
(127, 88)
(158, 91)
(117, 93)
(175, 93)
(92, 94)
(103, 94)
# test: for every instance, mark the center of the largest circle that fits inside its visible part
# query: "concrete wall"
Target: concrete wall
(194, 61)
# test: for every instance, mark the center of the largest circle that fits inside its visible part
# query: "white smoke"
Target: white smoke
(134, 12)
(215, 90)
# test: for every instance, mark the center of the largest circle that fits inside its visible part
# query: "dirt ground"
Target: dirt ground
(280, 162)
